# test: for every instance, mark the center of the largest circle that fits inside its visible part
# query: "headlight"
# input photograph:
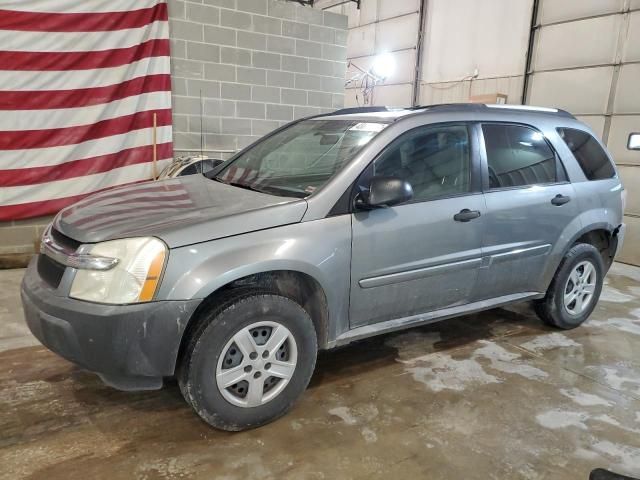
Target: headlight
(134, 279)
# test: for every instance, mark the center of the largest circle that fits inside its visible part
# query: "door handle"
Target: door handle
(560, 199)
(466, 215)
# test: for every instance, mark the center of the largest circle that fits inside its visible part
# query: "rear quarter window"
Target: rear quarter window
(590, 155)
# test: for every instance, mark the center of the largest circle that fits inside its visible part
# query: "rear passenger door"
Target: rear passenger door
(529, 203)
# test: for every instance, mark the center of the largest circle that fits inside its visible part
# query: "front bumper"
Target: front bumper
(131, 347)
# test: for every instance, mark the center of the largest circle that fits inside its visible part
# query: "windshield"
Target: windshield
(299, 160)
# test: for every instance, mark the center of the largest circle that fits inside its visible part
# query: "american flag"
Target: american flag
(114, 208)
(80, 82)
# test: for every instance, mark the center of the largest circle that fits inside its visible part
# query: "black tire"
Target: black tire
(197, 370)
(551, 308)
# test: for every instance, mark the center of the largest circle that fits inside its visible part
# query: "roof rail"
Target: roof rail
(438, 106)
(482, 106)
(531, 108)
(469, 107)
(346, 111)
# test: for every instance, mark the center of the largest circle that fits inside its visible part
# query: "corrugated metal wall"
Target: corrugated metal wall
(463, 37)
(460, 38)
(586, 59)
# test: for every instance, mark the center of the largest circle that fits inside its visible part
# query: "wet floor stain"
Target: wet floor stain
(492, 395)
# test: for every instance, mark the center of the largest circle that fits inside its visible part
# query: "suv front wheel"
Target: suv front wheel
(575, 289)
(248, 361)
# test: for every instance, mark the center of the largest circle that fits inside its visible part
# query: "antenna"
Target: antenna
(201, 134)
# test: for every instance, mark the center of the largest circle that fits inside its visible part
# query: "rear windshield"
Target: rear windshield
(300, 159)
(590, 155)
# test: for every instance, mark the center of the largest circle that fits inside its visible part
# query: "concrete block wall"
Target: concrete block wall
(19, 240)
(257, 63)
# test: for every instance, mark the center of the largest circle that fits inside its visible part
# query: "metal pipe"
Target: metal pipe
(415, 100)
(532, 36)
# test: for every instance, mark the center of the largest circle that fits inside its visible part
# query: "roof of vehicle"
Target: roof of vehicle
(386, 114)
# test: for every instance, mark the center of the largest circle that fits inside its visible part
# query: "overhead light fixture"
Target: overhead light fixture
(383, 65)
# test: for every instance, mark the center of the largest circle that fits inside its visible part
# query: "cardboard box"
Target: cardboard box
(490, 98)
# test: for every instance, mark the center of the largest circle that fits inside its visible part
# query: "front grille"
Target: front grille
(50, 271)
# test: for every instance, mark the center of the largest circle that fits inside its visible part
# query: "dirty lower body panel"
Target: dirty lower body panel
(131, 347)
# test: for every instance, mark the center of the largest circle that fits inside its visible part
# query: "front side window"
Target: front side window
(518, 156)
(300, 159)
(590, 155)
(435, 160)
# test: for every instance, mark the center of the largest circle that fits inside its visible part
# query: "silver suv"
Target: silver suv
(330, 229)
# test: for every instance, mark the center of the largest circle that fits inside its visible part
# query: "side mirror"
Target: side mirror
(216, 161)
(634, 141)
(386, 192)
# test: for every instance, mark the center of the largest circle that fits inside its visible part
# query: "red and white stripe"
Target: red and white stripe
(80, 83)
(113, 208)
(238, 174)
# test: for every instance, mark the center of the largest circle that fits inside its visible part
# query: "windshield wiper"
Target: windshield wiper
(284, 192)
(268, 190)
(235, 184)
(243, 185)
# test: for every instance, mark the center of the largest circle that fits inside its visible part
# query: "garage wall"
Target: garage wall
(468, 47)
(473, 48)
(381, 26)
(258, 64)
(586, 59)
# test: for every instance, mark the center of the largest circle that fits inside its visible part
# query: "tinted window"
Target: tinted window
(592, 158)
(434, 160)
(208, 165)
(518, 156)
(190, 170)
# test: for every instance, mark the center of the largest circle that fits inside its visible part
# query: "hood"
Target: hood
(180, 211)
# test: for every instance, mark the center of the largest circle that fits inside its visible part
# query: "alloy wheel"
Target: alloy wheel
(580, 288)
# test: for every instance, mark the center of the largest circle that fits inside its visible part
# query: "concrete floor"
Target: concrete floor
(490, 396)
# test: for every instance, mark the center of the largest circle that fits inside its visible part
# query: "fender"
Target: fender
(611, 229)
(576, 229)
(197, 271)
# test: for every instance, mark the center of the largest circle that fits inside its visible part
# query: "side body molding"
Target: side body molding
(415, 274)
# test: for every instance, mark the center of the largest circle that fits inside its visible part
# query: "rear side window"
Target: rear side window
(518, 156)
(590, 155)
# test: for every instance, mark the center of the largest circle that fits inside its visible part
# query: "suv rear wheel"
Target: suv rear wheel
(248, 361)
(575, 289)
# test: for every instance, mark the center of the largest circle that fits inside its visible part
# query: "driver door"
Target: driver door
(420, 256)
